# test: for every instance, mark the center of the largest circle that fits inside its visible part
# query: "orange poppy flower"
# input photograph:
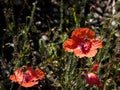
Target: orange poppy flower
(82, 43)
(93, 79)
(27, 77)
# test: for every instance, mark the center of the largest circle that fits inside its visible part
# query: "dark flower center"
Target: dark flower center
(27, 77)
(85, 46)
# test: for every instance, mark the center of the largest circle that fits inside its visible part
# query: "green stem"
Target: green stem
(67, 73)
(32, 15)
(75, 18)
(61, 15)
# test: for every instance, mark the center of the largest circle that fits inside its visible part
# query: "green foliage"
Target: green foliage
(63, 70)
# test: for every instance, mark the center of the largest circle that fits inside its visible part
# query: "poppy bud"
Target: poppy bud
(92, 79)
(95, 66)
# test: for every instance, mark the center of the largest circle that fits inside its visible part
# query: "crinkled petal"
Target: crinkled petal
(40, 74)
(82, 33)
(26, 76)
(19, 74)
(69, 45)
(31, 73)
(96, 43)
(93, 50)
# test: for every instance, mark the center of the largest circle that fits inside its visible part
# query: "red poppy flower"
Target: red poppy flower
(82, 43)
(27, 77)
(92, 79)
(95, 66)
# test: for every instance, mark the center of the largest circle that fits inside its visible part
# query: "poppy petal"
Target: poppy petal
(96, 43)
(31, 73)
(13, 78)
(69, 45)
(26, 76)
(91, 53)
(29, 84)
(93, 50)
(40, 74)
(78, 53)
(19, 75)
(82, 33)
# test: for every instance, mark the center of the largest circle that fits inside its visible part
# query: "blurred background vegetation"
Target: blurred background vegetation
(32, 33)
